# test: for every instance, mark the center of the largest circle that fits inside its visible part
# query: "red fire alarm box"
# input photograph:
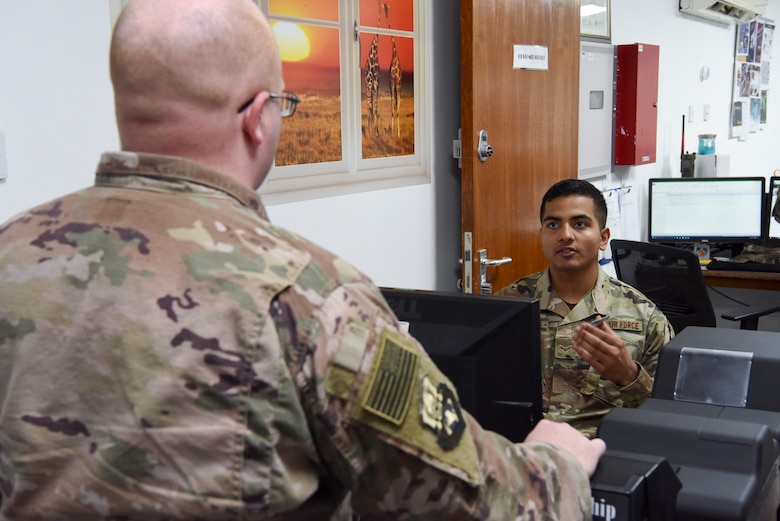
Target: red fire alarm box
(636, 103)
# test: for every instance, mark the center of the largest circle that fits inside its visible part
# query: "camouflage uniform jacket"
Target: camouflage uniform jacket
(167, 353)
(573, 392)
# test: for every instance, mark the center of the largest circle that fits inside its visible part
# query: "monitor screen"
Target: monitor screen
(773, 211)
(488, 346)
(706, 209)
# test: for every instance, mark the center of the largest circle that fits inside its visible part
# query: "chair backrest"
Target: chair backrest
(670, 277)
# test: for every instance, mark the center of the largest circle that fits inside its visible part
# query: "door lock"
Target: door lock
(484, 150)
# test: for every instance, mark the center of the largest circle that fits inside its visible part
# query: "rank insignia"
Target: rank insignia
(441, 413)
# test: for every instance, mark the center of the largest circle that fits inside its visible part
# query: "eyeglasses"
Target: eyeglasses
(287, 100)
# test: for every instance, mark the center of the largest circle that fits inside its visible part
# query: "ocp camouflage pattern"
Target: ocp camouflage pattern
(169, 354)
(572, 391)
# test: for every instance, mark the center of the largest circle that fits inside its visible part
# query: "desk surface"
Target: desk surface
(742, 279)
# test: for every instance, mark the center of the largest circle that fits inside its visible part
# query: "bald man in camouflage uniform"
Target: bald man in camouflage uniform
(167, 353)
(588, 366)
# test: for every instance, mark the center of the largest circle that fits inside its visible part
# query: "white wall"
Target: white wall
(56, 111)
(386, 233)
(686, 44)
(56, 105)
(56, 108)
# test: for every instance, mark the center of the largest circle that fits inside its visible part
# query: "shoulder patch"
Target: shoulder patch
(437, 432)
(349, 355)
(441, 413)
(352, 345)
(390, 381)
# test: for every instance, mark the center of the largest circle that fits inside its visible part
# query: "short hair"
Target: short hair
(577, 187)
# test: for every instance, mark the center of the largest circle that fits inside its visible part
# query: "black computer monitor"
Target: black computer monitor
(773, 213)
(706, 209)
(488, 346)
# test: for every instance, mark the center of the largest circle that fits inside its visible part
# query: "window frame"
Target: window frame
(292, 183)
(351, 175)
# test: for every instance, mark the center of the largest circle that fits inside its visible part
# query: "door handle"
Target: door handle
(485, 287)
(494, 262)
(484, 150)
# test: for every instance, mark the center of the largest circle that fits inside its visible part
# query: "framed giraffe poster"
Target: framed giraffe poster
(308, 40)
(352, 64)
(595, 19)
(387, 62)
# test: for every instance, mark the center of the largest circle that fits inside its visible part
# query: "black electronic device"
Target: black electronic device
(728, 469)
(714, 415)
(734, 368)
(687, 162)
(488, 346)
(772, 214)
(726, 210)
(633, 487)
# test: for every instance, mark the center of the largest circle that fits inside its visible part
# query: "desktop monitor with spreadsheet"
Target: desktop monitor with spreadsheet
(773, 212)
(706, 209)
(488, 346)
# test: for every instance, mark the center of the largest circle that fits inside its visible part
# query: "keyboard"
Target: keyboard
(743, 266)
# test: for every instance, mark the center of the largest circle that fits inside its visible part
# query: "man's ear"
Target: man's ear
(605, 235)
(252, 117)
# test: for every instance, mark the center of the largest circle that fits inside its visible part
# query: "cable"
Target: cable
(727, 296)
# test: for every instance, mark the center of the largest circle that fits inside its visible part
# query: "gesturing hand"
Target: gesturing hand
(606, 353)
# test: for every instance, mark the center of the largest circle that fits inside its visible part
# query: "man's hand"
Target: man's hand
(566, 437)
(605, 352)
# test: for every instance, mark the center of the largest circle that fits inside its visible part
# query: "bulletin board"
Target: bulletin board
(753, 52)
(623, 220)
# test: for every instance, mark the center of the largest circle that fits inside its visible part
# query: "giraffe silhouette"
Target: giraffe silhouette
(372, 80)
(396, 77)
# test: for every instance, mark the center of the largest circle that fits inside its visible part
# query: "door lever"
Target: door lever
(486, 288)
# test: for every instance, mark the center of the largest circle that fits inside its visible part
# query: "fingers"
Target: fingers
(598, 321)
(597, 327)
(605, 352)
(588, 345)
(563, 435)
(588, 356)
(597, 448)
(597, 340)
(599, 347)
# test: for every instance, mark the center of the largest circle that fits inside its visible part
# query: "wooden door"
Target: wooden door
(530, 117)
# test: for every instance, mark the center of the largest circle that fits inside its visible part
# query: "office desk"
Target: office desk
(742, 279)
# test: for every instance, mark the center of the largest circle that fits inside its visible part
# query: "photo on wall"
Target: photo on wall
(751, 76)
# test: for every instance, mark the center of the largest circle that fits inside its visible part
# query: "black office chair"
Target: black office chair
(671, 277)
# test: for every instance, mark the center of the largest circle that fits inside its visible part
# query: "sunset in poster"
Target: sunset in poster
(310, 57)
(311, 66)
(294, 44)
